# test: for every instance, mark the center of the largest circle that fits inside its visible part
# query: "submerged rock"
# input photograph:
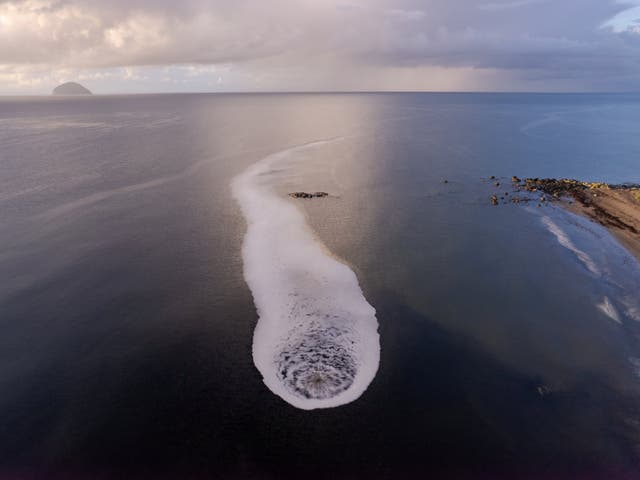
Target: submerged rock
(544, 390)
(308, 195)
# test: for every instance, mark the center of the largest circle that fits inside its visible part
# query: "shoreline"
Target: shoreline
(615, 207)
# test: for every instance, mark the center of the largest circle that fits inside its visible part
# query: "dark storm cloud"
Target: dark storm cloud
(553, 39)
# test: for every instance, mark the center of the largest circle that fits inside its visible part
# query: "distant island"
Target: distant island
(71, 88)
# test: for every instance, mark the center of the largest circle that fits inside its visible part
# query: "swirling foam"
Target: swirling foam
(316, 343)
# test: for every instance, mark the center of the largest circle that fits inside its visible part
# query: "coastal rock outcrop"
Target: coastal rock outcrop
(616, 207)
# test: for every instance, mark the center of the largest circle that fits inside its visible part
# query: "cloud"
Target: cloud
(118, 33)
(326, 44)
(509, 4)
(626, 20)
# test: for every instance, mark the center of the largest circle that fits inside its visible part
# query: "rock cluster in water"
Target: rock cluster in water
(558, 188)
(555, 188)
(584, 194)
(308, 195)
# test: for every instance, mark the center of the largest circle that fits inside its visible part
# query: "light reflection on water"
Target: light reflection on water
(126, 324)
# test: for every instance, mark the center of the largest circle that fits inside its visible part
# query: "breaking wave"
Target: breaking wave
(566, 242)
(316, 342)
(620, 283)
(632, 307)
(609, 310)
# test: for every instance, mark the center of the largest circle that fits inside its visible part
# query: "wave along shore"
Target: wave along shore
(616, 207)
(316, 342)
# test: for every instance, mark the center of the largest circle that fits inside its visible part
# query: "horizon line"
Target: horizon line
(329, 92)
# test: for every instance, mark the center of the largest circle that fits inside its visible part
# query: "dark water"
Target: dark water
(509, 334)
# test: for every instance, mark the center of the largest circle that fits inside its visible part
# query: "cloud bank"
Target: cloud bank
(162, 45)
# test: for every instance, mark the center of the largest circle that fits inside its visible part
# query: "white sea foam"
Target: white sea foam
(632, 307)
(609, 310)
(316, 343)
(566, 242)
(621, 283)
(635, 364)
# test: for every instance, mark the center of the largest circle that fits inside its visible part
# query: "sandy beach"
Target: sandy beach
(616, 207)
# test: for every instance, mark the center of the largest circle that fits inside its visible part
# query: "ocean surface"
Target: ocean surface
(168, 311)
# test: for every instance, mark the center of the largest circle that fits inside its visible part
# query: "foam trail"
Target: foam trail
(128, 189)
(548, 118)
(316, 342)
(107, 194)
(554, 117)
(566, 242)
(609, 310)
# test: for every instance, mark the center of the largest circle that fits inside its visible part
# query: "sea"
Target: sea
(167, 310)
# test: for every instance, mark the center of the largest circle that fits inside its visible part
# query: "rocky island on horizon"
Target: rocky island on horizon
(71, 88)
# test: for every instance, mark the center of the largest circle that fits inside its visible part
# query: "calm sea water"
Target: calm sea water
(508, 335)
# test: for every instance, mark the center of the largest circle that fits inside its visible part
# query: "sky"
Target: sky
(134, 46)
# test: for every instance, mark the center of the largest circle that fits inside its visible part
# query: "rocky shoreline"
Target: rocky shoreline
(616, 207)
